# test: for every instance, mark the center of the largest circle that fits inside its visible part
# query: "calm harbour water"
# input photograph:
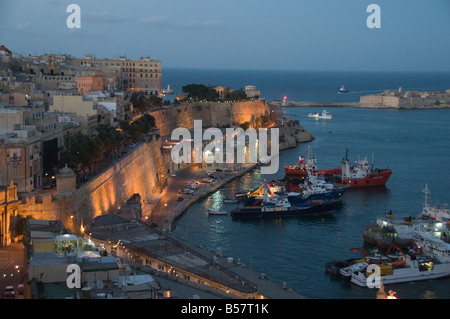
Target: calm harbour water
(413, 143)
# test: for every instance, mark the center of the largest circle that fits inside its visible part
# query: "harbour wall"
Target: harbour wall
(312, 104)
(142, 171)
(212, 114)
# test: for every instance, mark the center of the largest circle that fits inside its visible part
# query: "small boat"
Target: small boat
(375, 257)
(324, 115)
(217, 212)
(343, 89)
(357, 267)
(230, 200)
(334, 267)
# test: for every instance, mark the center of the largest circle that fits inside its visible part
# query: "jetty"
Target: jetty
(312, 104)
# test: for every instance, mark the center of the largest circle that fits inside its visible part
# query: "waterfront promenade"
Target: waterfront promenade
(165, 209)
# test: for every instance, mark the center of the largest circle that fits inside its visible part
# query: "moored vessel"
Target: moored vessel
(432, 263)
(217, 212)
(437, 212)
(362, 174)
(301, 169)
(279, 206)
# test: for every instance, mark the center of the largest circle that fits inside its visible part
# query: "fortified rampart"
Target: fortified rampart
(213, 114)
(409, 99)
(142, 172)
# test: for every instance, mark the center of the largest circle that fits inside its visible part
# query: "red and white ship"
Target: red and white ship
(362, 174)
(300, 171)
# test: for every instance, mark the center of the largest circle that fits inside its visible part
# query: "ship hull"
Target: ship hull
(380, 178)
(292, 172)
(246, 212)
(386, 240)
(403, 275)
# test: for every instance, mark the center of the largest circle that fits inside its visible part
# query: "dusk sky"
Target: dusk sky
(238, 34)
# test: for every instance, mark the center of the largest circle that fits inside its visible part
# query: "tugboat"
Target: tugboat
(359, 175)
(302, 168)
(362, 174)
(343, 89)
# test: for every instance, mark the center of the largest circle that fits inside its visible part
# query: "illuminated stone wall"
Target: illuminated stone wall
(142, 171)
(212, 115)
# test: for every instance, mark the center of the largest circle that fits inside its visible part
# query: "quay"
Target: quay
(157, 252)
(166, 209)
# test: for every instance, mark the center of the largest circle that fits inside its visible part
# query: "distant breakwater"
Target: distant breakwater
(310, 104)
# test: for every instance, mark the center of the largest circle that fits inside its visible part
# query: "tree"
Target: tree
(82, 152)
(138, 100)
(236, 95)
(200, 92)
(110, 137)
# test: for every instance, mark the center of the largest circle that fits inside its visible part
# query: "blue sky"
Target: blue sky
(238, 34)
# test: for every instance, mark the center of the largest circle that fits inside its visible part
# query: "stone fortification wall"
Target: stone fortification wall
(142, 172)
(408, 99)
(212, 115)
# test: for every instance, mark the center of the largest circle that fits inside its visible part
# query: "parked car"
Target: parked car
(180, 199)
(8, 292)
(188, 191)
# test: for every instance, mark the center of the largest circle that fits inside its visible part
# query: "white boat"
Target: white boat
(348, 271)
(231, 200)
(343, 89)
(432, 263)
(438, 212)
(324, 115)
(217, 212)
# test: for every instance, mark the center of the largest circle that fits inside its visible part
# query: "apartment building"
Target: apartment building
(143, 75)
